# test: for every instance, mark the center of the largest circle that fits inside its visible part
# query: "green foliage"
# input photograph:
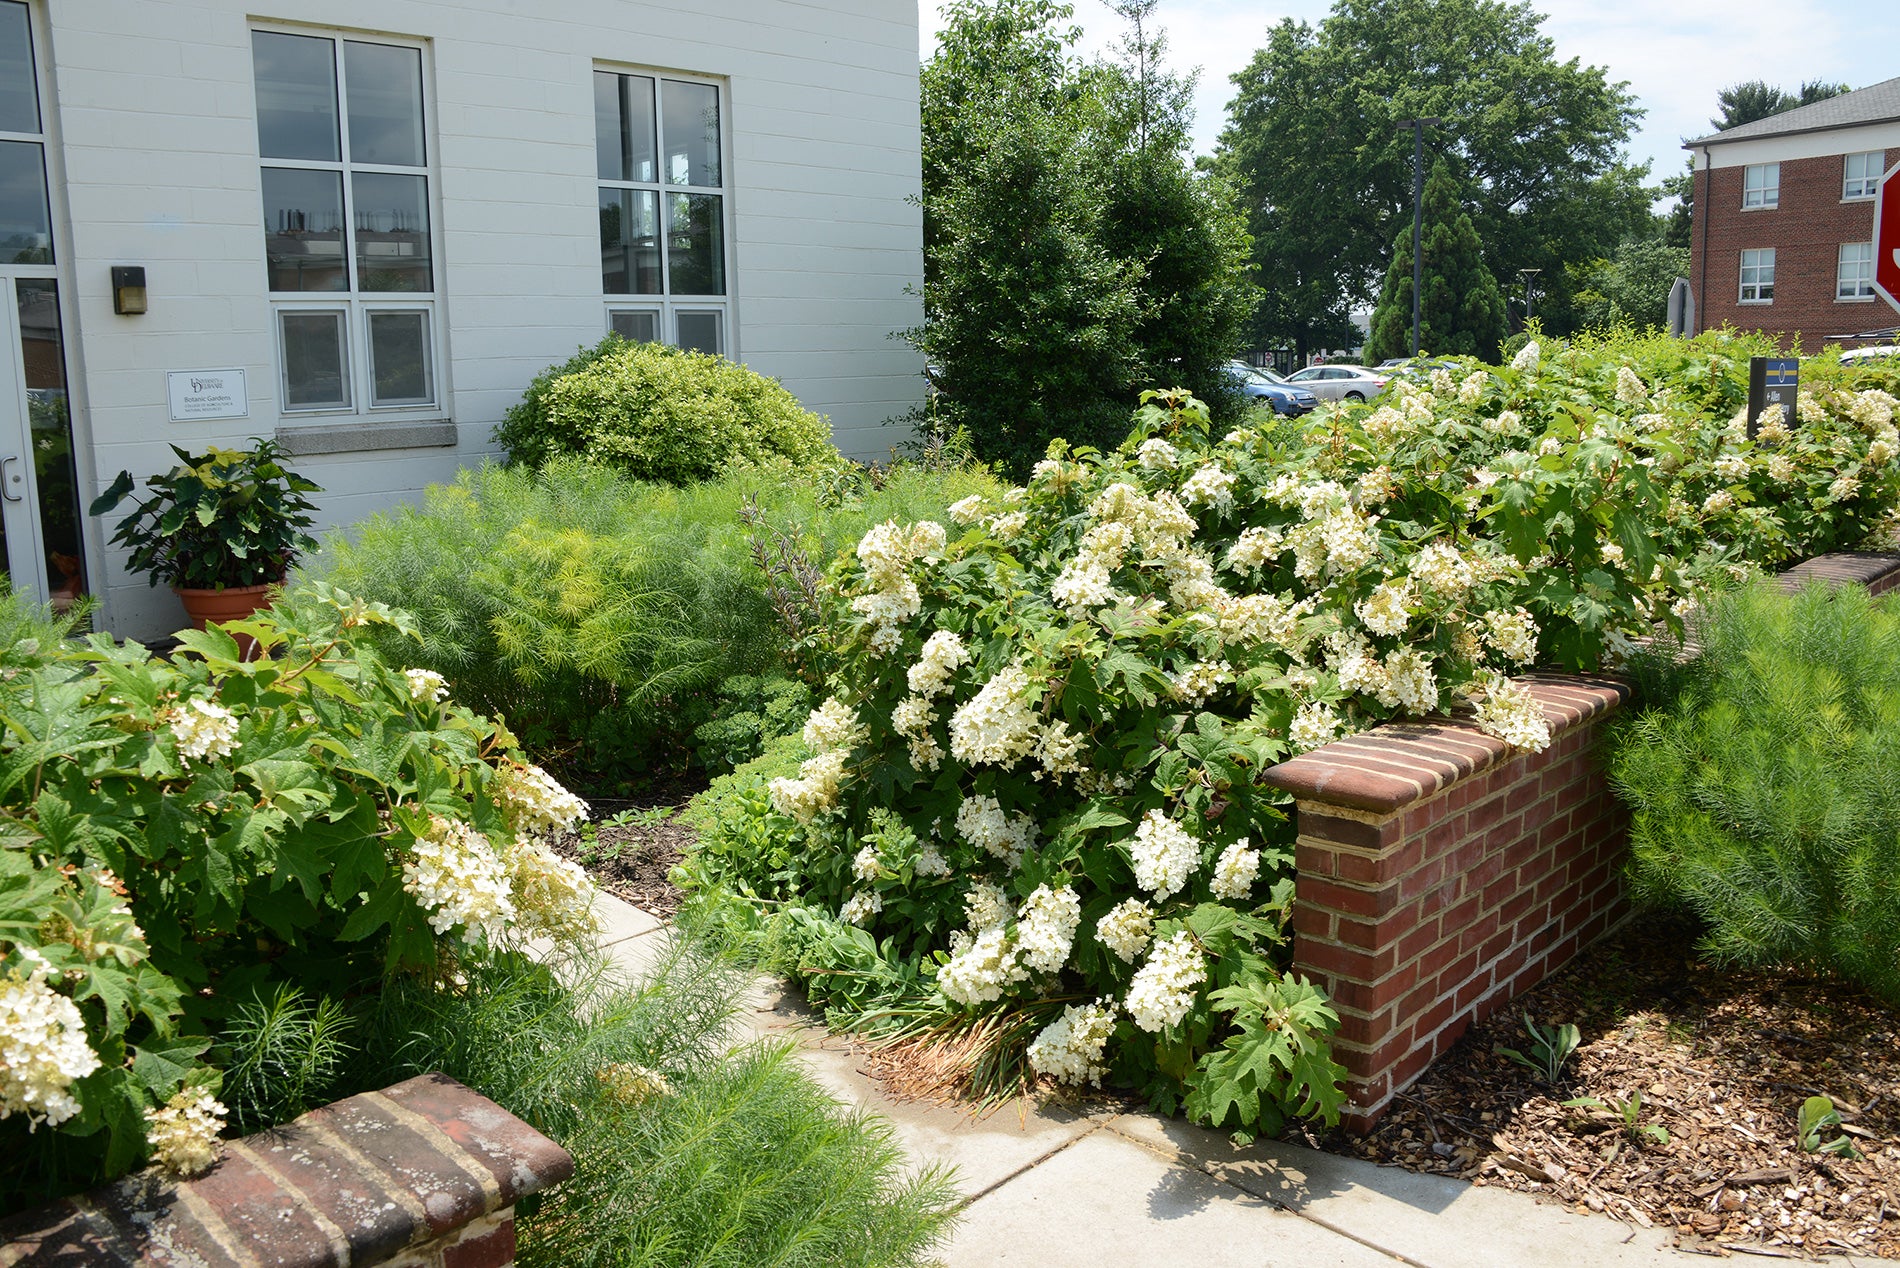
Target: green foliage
(653, 412)
(751, 713)
(1756, 99)
(1817, 1115)
(598, 615)
(1550, 1049)
(1764, 793)
(1629, 1112)
(281, 1055)
(1312, 143)
(684, 1152)
(225, 517)
(1631, 287)
(1461, 311)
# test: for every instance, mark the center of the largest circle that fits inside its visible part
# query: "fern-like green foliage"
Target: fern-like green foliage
(1766, 791)
(658, 413)
(281, 1055)
(596, 614)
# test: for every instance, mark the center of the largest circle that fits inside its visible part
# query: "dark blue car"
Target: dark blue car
(1264, 387)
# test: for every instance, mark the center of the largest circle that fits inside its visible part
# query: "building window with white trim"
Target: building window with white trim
(1761, 185)
(1860, 174)
(1854, 278)
(1758, 276)
(659, 147)
(348, 234)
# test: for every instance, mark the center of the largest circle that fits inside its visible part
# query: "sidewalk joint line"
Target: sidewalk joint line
(1029, 1166)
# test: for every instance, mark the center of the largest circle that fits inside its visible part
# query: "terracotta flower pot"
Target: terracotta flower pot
(233, 603)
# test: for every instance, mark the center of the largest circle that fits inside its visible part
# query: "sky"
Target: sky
(1676, 55)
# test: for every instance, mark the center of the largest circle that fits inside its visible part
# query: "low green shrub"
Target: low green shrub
(1764, 787)
(653, 412)
(751, 712)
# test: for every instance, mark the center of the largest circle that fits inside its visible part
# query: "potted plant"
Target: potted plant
(222, 527)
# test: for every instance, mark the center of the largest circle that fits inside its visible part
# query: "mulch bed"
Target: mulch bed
(631, 860)
(1722, 1061)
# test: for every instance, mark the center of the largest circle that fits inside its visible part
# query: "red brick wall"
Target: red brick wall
(1806, 229)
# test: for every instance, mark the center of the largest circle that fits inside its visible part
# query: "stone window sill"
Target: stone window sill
(437, 433)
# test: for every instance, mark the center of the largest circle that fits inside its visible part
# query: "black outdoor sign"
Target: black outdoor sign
(1772, 381)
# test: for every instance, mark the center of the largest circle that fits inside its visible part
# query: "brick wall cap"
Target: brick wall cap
(1858, 567)
(354, 1182)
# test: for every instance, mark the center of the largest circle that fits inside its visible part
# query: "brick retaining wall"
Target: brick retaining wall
(424, 1174)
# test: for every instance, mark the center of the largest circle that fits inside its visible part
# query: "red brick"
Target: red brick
(1354, 832)
(1313, 922)
(493, 1248)
(1347, 898)
(1330, 957)
(1311, 860)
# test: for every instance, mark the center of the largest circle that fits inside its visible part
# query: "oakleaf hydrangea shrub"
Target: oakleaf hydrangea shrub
(1037, 775)
(180, 833)
(1762, 784)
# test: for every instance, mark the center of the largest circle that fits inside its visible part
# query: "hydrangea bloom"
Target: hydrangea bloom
(982, 822)
(943, 654)
(980, 968)
(552, 896)
(630, 1084)
(1059, 749)
(1410, 681)
(535, 801)
(43, 1050)
(1509, 712)
(861, 906)
(1156, 454)
(1235, 872)
(967, 510)
(1211, 485)
(833, 727)
(1164, 855)
(1629, 387)
(1313, 725)
(1442, 568)
(458, 879)
(1526, 359)
(1385, 611)
(426, 686)
(1512, 634)
(986, 906)
(997, 725)
(204, 729)
(1163, 989)
(183, 1133)
(1126, 928)
(1045, 928)
(1070, 1047)
(814, 792)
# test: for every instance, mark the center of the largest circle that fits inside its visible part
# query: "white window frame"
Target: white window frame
(1864, 184)
(1854, 278)
(666, 304)
(1761, 186)
(1762, 269)
(358, 304)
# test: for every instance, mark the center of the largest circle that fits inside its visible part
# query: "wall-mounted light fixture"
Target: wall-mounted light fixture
(128, 289)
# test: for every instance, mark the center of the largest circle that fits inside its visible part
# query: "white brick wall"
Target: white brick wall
(155, 143)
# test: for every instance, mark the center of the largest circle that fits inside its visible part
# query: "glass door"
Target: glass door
(39, 492)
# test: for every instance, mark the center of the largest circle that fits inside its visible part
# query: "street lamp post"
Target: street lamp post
(1529, 276)
(1418, 127)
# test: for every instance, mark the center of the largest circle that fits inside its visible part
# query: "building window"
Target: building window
(663, 182)
(1854, 279)
(348, 235)
(1861, 174)
(1758, 276)
(1761, 185)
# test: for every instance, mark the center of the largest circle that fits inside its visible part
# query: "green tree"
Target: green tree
(1461, 311)
(1756, 99)
(1313, 144)
(1631, 286)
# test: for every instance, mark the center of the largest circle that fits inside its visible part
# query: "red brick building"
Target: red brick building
(1784, 219)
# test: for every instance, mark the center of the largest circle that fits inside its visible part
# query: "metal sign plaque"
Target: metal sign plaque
(1772, 382)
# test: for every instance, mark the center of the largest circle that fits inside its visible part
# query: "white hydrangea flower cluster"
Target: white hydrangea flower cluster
(887, 551)
(1313, 725)
(986, 906)
(997, 726)
(1442, 568)
(1059, 750)
(1525, 362)
(1873, 409)
(1009, 525)
(1235, 872)
(426, 686)
(980, 967)
(833, 727)
(1510, 712)
(1045, 928)
(929, 861)
(982, 822)
(1629, 387)
(833, 730)
(1411, 682)
(204, 729)
(1843, 488)
(183, 1133)
(1732, 466)
(43, 1049)
(1386, 611)
(864, 864)
(1254, 549)
(1070, 1048)
(943, 654)
(1211, 485)
(1164, 854)
(1781, 467)
(861, 907)
(1471, 391)
(535, 801)
(1058, 475)
(1163, 989)
(1508, 423)
(1264, 618)
(1199, 681)
(1717, 502)
(459, 880)
(1513, 635)
(1156, 454)
(1086, 581)
(970, 510)
(1127, 928)
(630, 1084)
(552, 896)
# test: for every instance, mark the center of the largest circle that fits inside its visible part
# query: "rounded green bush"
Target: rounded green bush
(659, 413)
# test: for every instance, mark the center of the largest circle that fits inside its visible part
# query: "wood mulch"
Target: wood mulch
(1721, 1061)
(631, 859)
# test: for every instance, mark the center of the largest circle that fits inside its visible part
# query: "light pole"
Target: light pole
(1418, 127)
(1529, 276)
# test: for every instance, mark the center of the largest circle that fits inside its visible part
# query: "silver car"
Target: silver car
(1341, 382)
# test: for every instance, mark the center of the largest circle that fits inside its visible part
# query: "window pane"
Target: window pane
(316, 365)
(384, 87)
(296, 96)
(695, 244)
(392, 232)
(623, 127)
(641, 327)
(43, 370)
(19, 94)
(629, 242)
(303, 230)
(26, 227)
(690, 123)
(399, 359)
(699, 332)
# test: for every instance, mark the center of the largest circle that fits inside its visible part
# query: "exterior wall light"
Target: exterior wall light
(128, 289)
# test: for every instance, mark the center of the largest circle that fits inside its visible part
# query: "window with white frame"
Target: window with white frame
(348, 235)
(1761, 185)
(663, 183)
(1854, 278)
(1860, 174)
(1758, 276)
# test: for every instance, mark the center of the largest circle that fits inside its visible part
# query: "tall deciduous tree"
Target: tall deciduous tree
(1632, 285)
(1313, 144)
(1758, 99)
(1461, 310)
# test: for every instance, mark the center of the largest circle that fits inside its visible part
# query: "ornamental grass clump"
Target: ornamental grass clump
(1764, 790)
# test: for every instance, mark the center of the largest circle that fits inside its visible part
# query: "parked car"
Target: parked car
(1264, 387)
(1341, 382)
(1870, 355)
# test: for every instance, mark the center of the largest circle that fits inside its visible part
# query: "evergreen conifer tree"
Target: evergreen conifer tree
(1461, 310)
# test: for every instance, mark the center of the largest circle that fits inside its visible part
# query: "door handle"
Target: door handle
(12, 479)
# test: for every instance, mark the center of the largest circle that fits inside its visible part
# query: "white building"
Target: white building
(371, 222)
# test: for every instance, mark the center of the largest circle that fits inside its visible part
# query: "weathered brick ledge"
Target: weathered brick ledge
(1440, 875)
(424, 1174)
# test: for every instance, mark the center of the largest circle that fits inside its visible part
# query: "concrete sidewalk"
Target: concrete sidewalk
(1058, 1189)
